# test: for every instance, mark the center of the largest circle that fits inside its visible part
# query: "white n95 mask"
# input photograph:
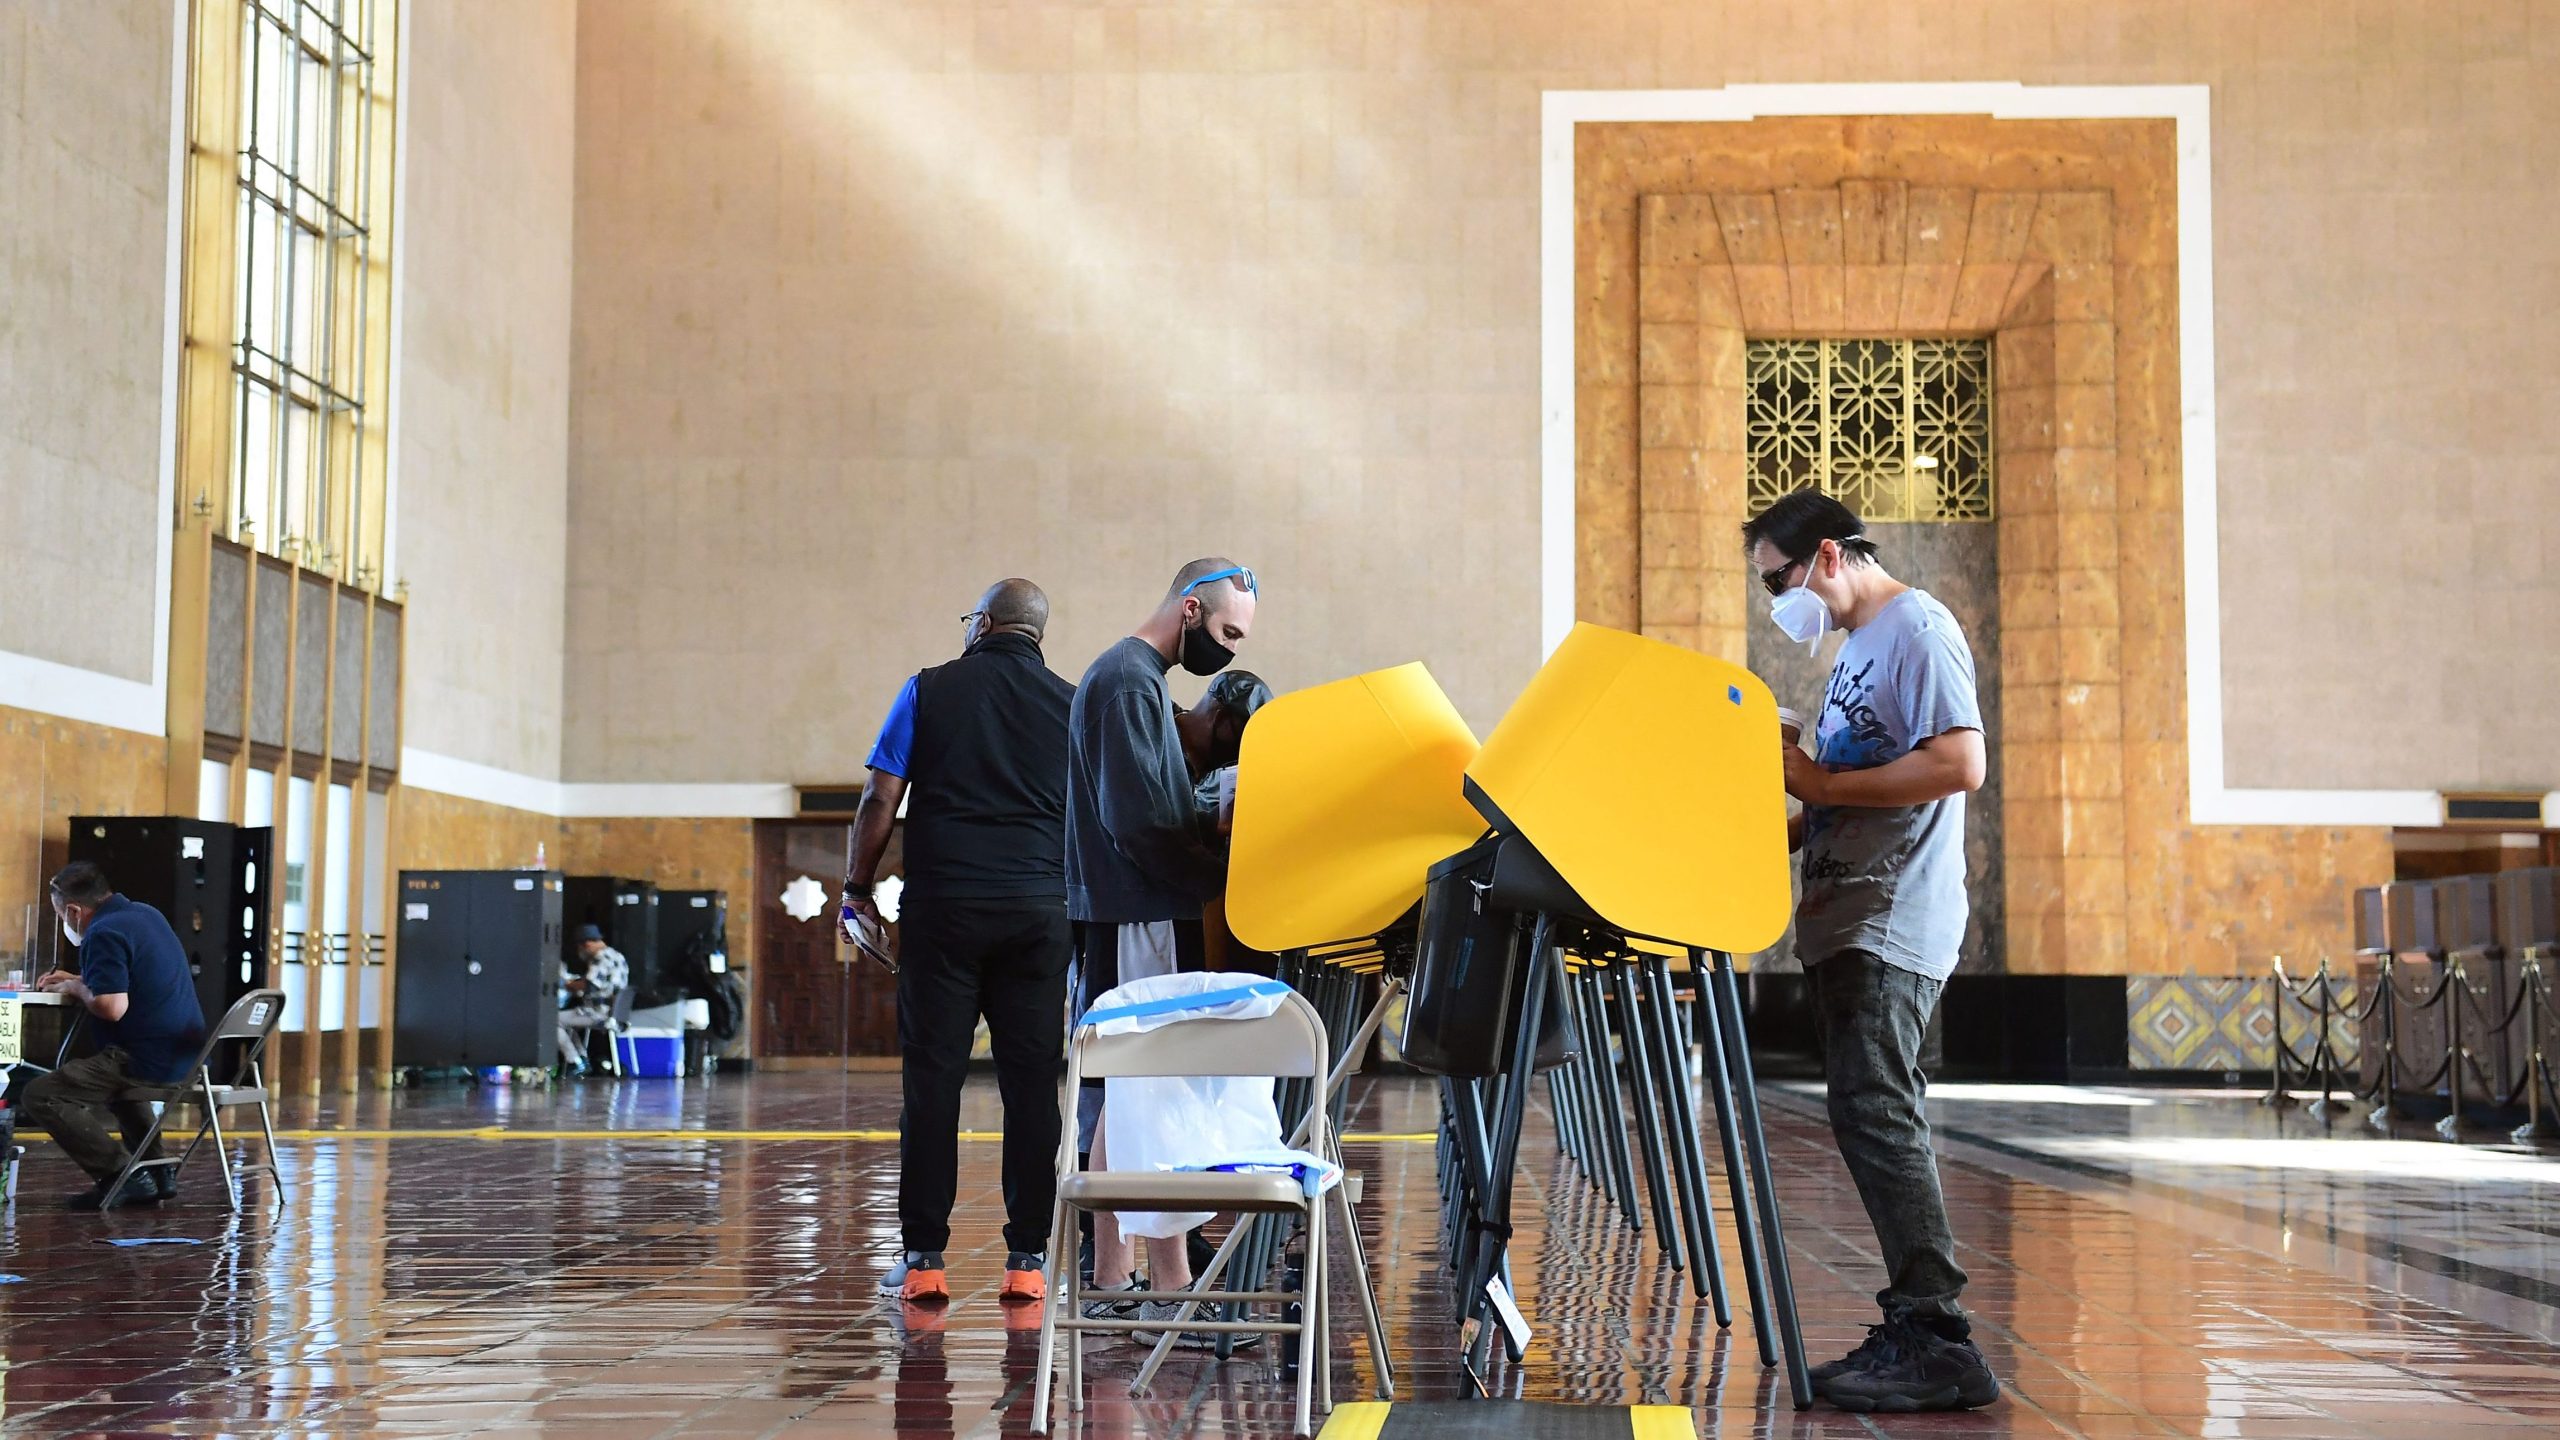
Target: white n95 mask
(1801, 614)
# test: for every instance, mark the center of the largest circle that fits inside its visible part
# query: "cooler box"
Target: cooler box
(651, 1052)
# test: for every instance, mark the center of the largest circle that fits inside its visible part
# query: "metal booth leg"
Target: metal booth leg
(1612, 1125)
(1494, 1225)
(1707, 1275)
(1782, 1290)
(1640, 1079)
(1755, 1273)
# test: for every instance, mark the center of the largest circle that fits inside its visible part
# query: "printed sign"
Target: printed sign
(1515, 1330)
(11, 1012)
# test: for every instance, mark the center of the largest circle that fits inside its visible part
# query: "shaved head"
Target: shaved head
(1211, 595)
(1015, 604)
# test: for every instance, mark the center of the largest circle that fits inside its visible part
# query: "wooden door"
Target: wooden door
(816, 997)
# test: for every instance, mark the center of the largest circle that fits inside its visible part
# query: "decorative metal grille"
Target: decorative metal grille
(1894, 429)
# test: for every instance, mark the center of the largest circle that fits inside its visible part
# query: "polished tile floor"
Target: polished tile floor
(697, 1258)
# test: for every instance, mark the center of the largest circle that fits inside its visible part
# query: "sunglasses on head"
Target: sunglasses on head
(1232, 572)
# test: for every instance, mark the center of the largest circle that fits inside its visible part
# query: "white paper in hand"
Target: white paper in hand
(870, 936)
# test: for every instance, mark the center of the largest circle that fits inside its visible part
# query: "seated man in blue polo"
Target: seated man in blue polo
(141, 999)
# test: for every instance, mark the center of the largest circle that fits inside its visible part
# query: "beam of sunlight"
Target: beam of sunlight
(2039, 1095)
(2381, 1159)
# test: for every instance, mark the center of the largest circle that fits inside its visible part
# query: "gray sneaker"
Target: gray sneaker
(1164, 1313)
(1110, 1309)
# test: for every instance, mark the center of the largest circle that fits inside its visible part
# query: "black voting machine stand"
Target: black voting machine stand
(479, 977)
(628, 912)
(693, 925)
(1494, 1004)
(210, 879)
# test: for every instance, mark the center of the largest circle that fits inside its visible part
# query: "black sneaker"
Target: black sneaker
(140, 1190)
(1913, 1369)
(1868, 1352)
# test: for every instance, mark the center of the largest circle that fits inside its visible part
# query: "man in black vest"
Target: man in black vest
(978, 751)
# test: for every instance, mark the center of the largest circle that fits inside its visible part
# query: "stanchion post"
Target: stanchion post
(2451, 1125)
(2387, 1065)
(2277, 1096)
(2536, 1071)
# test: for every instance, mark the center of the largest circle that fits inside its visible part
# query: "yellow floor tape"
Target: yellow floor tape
(1661, 1422)
(492, 1132)
(1359, 1420)
(1369, 1420)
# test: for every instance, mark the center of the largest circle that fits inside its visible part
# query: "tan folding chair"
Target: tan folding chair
(252, 1021)
(1288, 1043)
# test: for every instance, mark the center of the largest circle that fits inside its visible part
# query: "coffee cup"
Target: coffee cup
(1790, 725)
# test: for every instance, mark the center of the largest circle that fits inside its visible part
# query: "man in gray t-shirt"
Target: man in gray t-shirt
(1889, 880)
(1897, 746)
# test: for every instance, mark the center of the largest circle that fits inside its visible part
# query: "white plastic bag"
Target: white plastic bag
(1183, 1122)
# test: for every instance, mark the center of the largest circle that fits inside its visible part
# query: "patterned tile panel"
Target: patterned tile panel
(2224, 1022)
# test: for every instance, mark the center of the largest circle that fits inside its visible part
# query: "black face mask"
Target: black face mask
(1201, 652)
(1224, 747)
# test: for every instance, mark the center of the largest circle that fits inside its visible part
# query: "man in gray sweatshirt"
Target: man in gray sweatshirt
(1141, 855)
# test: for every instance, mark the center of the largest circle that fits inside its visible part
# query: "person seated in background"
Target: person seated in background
(586, 999)
(134, 982)
(1212, 736)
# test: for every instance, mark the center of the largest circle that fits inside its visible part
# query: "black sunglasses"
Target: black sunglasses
(1775, 581)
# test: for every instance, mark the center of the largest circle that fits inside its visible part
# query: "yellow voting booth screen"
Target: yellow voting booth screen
(1346, 794)
(1649, 776)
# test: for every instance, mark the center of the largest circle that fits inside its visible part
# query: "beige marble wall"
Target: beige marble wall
(50, 770)
(877, 303)
(84, 296)
(482, 419)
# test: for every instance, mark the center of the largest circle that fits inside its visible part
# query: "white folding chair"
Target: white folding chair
(1288, 1043)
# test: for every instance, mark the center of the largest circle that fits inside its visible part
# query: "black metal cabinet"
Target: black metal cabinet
(479, 968)
(211, 881)
(627, 911)
(689, 922)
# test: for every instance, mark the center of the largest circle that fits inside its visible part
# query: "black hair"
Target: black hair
(1799, 521)
(82, 883)
(1239, 693)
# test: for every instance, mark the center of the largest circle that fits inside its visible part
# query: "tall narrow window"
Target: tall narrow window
(309, 349)
(1894, 429)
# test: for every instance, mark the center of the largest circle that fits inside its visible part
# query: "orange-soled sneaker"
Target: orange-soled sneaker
(1026, 1278)
(918, 1279)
